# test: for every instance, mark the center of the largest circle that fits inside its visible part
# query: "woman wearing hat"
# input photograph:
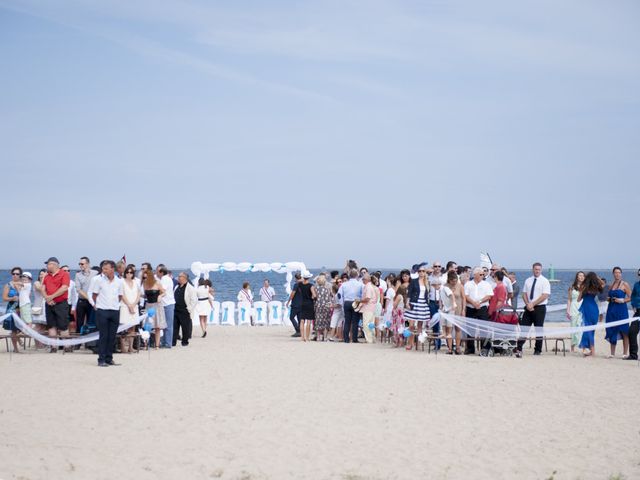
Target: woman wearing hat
(24, 294)
(307, 314)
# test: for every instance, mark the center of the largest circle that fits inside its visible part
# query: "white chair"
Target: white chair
(227, 312)
(244, 313)
(275, 313)
(260, 312)
(214, 318)
(286, 311)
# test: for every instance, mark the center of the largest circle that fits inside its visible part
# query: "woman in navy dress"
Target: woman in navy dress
(619, 296)
(590, 289)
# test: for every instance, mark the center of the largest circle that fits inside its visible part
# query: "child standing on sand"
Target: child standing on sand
(397, 314)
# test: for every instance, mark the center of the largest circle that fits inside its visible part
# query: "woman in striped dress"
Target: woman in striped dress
(417, 311)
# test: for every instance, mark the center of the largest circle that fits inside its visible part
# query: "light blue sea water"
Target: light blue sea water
(227, 284)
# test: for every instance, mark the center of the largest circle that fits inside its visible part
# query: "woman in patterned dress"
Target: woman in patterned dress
(322, 307)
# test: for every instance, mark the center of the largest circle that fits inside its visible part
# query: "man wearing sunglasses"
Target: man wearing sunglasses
(634, 327)
(84, 309)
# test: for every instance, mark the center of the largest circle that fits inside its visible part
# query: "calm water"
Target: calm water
(228, 284)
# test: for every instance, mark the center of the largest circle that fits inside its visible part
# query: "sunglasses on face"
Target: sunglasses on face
(15, 273)
(437, 266)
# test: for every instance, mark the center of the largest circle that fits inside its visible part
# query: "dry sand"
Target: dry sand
(251, 403)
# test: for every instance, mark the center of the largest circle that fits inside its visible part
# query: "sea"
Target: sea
(227, 284)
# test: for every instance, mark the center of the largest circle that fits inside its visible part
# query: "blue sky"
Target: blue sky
(384, 131)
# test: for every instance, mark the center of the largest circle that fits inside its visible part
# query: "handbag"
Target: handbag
(8, 323)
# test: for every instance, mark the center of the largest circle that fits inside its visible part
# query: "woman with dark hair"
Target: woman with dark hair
(405, 278)
(589, 291)
(573, 308)
(153, 293)
(619, 296)
(350, 265)
(205, 303)
(11, 295)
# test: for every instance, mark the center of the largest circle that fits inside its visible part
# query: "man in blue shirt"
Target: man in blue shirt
(635, 325)
(347, 293)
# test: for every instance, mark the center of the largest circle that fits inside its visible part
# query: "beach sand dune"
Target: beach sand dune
(253, 403)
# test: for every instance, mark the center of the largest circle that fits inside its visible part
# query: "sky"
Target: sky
(391, 132)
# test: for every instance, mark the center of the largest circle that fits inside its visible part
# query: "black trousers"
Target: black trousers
(182, 319)
(634, 327)
(481, 313)
(83, 313)
(535, 318)
(107, 322)
(351, 321)
(293, 317)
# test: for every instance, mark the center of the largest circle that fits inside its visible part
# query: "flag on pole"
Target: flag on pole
(124, 259)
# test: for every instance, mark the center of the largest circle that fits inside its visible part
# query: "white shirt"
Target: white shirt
(245, 296)
(24, 294)
(383, 285)
(109, 292)
(92, 284)
(389, 295)
(542, 286)
(477, 291)
(168, 298)
(267, 294)
(447, 299)
(73, 295)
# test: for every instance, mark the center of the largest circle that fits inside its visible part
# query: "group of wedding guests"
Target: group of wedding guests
(103, 298)
(357, 305)
(342, 306)
(590, 298)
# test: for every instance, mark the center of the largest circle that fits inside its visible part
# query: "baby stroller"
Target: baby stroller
(502, 346)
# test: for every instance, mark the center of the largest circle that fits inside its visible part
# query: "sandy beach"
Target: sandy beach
(253, 403)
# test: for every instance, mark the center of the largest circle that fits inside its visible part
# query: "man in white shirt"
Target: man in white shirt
(436, 281)
(477, 292)
(107, 294)
(168, 303)
(84, 308)
(535, 293)
(267, 293)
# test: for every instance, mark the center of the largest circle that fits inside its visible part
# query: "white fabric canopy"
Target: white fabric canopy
(200, 269)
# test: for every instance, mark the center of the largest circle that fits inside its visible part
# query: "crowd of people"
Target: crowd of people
(347, 306)
(102, 298)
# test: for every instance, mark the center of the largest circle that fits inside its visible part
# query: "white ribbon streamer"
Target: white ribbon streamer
(488, 329)
(55, 342)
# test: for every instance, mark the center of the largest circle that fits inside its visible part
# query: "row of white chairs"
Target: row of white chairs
(263, 313)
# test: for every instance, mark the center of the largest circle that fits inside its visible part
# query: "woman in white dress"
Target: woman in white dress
(205, 303)
(129, 307)
(574, 315)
